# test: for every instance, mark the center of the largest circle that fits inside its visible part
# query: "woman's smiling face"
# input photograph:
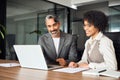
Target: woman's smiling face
(90, 29)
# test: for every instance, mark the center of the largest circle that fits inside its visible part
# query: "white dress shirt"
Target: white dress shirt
(56, 44)
(106, 49)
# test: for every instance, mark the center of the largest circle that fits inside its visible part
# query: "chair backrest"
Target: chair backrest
(80, 43)
(115, 37)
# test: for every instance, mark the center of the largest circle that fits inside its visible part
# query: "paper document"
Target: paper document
(9, 64)
(94, 71)
(70, 70)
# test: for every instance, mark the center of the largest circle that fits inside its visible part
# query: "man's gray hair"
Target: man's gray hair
(52, 16)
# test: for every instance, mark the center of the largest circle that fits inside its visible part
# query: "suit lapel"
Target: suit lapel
(62, 39)
(51, 46)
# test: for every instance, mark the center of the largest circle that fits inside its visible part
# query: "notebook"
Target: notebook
(103, 72)
(31, 56)
(111, 73)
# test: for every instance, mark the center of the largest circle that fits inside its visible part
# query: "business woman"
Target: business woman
(99, 51)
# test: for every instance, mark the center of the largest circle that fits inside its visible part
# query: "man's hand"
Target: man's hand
(61, 61)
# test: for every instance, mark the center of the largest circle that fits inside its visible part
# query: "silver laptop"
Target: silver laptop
(31, 56)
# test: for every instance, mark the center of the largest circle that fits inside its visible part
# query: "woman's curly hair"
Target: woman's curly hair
(96, 18)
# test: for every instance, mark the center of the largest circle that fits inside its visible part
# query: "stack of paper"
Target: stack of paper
(70, 70)
(9, 64)
(93, 71)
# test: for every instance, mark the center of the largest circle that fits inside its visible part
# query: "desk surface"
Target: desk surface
(18, 73)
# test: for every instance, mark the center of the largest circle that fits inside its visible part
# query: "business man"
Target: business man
(57, 46)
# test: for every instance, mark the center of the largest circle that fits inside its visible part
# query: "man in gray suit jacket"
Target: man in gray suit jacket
(58, 47)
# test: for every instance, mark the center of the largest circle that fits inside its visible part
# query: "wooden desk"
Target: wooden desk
(18, 73)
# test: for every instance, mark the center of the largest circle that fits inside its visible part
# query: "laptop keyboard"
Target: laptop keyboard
(53, 66)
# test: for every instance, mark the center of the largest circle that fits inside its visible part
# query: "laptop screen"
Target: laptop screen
(31, 56)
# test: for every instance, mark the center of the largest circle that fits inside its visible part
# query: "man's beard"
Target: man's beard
(54, 33)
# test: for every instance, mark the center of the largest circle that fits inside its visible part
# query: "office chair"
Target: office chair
(115, 37)
(80, 42)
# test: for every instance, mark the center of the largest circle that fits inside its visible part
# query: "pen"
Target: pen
(102, 71)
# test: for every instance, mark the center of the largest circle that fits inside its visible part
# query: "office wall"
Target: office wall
(78, 14)
(114, 18)
(21, 29)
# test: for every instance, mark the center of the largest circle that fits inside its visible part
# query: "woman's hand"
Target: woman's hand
(73, 64)
(84, 65)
